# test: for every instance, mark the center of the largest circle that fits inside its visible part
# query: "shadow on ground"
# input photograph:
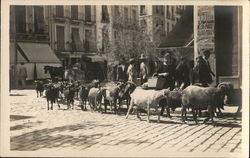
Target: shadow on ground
(19, 117)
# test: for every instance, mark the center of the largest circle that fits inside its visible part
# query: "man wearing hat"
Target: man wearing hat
(121, 71)
(167, 71)
(203, 70)
(132, 73)
(143, 69)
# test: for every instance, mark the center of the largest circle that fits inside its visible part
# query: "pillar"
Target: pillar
(204, 34)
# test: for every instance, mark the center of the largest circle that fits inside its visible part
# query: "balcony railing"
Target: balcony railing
(179, 11)
(31, 37)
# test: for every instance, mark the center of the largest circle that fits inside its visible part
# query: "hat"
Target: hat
(206, 52)
(167, 55)
(142, 57)
(132, 60)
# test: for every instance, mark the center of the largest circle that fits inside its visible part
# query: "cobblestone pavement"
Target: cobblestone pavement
(33, 127)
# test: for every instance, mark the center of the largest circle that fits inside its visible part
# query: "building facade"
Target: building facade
(72, 31)
(116, 27)
(29, 39)
(159, 20)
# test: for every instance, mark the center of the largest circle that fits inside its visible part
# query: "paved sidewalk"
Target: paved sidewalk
(34, 128)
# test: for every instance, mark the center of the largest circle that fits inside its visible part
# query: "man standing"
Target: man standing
(22, 75)
(203, 70)
(167, 70)
(121, 71)
(132, 73)
(143, 69)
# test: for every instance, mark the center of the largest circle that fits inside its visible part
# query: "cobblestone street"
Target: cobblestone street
(33, 127)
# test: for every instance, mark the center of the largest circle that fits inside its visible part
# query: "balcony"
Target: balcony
(30, 37)
(179, 11)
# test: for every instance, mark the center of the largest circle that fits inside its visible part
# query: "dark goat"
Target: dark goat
(69, 94)
(125, 94)
(39, 86)
(83, 93)
(52, 95)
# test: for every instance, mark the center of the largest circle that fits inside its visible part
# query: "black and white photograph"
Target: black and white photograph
(158, 80)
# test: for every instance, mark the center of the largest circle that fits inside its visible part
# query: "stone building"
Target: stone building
(72, 31)
(219, 29)
(29, 39)
(115, 27)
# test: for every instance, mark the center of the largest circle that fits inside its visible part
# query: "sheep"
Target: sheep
(39, 86)
(173, 100)
(202, 98)
(146, 99)
(95, 97)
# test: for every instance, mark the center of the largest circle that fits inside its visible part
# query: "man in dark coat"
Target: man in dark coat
(122, 71)
(167, 70)
(203, 70)
(182, 74)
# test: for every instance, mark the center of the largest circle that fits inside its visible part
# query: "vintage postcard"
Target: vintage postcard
(125, 79)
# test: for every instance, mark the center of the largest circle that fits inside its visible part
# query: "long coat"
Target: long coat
(202, 73)
(122, 73)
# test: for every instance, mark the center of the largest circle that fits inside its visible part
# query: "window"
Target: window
(88, 13)
(142, 10)
(88, 38)
(105, 14)
(39, 19)
(156, 9)
(20, 12)
(59, 11)
(60, 38)
(76, 42)
(134, 16)
(74, 12)
(117, 12)
(126, 15)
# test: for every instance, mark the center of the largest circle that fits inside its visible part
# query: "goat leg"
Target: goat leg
(52, 105)
(48, 104)
(194, 115)
(148, 108)
(159, 115)
(129, 110)
(183, 114)
(168, 111)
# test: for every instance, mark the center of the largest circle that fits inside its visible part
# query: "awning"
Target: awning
(182, 33)
(38, 53)
(20, 58)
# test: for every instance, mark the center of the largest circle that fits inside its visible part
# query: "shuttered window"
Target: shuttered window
(88, 13)
(59, 11)
(39, 19)
(76, 40)
(60, 38)
(74, 12)
(20, 12)
(126, 15)
(105, 14)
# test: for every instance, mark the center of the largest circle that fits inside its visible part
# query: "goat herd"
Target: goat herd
(100, 95)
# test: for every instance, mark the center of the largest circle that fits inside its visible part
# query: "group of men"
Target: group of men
(179, 74)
